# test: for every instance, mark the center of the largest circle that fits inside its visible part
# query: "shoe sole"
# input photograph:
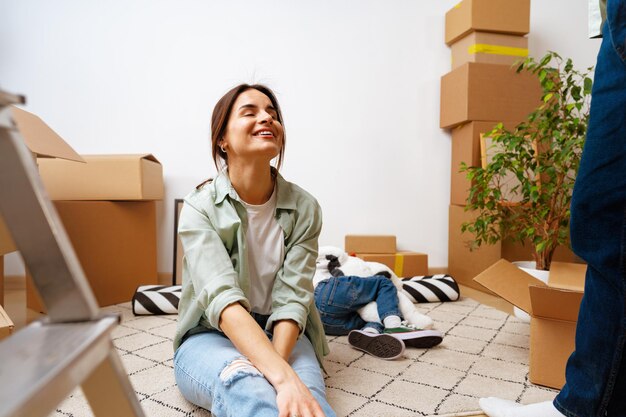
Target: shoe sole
(422, 339)
(382, 346)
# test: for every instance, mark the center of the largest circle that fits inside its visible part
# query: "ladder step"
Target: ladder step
(43, 363)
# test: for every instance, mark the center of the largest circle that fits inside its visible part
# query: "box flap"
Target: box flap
(555, 303)
(509, 282)
(40, 138)
(567, 275)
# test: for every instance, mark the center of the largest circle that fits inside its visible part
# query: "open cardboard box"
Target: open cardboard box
(553, 308)
(43, 142)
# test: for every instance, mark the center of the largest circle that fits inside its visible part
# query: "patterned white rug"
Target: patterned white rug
(484, 352)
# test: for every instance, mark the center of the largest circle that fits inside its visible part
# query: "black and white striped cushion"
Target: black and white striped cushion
(431, 288)
(156, 299)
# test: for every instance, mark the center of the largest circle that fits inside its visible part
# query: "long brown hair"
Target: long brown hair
(221, 114)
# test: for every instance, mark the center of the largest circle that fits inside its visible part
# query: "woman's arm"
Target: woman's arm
(285, 337)
(292, 396)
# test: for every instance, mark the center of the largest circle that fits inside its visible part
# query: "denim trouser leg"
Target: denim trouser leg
(339, 298)
(595, 374)
(199, 361)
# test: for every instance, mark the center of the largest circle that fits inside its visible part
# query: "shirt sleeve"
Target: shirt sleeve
(208, 265)
(292, 293)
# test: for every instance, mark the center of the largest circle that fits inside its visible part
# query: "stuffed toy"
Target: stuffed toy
(333, 261)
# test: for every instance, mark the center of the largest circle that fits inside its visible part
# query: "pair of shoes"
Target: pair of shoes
(382, 346)
(412, 337)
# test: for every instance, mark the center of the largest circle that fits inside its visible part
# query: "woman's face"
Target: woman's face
(253, 130)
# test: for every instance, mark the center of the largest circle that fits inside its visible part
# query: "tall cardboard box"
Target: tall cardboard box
(403, 264)
(500, 16)
(484, 92)
(104, 177)
(370, 244)
(466, 148)
(553, 309)
(489, 48)
(115, 243)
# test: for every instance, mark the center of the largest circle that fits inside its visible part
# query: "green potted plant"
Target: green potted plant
(524, 191)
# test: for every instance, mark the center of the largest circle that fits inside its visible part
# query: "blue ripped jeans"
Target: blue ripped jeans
(338, 300)
(596, 371)
(199, 368)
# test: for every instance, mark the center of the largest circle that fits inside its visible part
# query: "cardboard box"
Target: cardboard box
(523, 252)
(116, 243)
(464, 264)
(553, 309)
(104, 177)
(403, 264)
(370, 244)
(484, 92)
(489, 48)
(466, 148)
(500, 16)
(6, 324)
(43, 142)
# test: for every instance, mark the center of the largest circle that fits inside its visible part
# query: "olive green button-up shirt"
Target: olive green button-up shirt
(212, 227)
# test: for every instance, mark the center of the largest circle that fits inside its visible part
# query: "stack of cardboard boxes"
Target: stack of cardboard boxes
(483, 89)
(486, 37)
(108, 208)
(382, 249)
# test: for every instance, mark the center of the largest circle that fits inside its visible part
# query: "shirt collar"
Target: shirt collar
(284, 199)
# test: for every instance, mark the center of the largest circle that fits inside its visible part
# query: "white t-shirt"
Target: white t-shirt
(266, 250)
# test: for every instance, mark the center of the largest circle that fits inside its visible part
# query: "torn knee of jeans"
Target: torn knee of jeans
(237, 369)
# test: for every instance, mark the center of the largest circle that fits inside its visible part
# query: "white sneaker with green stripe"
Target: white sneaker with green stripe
(412, 337)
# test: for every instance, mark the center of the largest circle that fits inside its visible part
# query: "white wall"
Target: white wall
(358, 81)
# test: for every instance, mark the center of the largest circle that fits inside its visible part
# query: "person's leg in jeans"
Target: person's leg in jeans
(598, 233)
(339, 298)
(595, 373)
(203, 376)
(210, 372)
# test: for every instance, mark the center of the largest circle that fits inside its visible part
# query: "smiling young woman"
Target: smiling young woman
(249, 340)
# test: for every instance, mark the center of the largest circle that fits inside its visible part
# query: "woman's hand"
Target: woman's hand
(294, 399)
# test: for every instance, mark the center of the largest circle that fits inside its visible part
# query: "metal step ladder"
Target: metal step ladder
(41, 364)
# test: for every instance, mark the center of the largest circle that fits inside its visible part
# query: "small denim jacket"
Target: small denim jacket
(212, 227)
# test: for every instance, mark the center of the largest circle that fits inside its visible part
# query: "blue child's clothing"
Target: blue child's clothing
(338, 300)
